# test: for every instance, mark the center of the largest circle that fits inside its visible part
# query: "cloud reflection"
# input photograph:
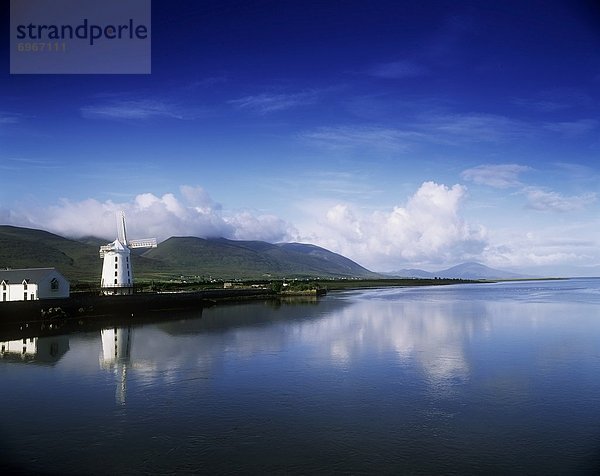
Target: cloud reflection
(338, 333)
(431, 335)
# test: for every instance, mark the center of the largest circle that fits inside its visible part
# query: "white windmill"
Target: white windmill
(117, 272)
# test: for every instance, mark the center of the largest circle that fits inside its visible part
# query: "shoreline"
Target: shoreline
(82, 310)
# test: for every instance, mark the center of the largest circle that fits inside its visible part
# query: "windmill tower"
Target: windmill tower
(117, 272)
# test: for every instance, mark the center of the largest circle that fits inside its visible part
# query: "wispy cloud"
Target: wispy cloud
(474, 127)
(544, 105)
(440, 127)
(572, 129)
(497, 176)
(347, 184)
(9, 117)
(505, 176)
(562, 248)
(554, 100)
(207, 82)
(18, 163)
(362, 136)
(266, 103)
(427, 128)
(135, 109)
(542, 199)
(396, 70)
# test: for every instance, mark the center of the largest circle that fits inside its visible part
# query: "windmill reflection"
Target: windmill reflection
(116, 355)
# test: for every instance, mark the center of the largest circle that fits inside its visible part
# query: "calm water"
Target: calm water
(500, 378)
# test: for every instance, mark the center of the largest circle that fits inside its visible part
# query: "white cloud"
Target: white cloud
(193, 213)
(538, 198)
(271, 228)
(428, 228)
(547, 200)
(342, 220)
(426, 231)
(559, 249)
(199, 198)
(497, 176)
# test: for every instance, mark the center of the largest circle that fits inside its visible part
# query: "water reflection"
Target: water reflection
(40, 350)
(341, 331)
(433, 381)
(116, 355)
(431, 336)
(179, 350)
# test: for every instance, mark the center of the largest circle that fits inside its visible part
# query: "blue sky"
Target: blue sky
(401, 134)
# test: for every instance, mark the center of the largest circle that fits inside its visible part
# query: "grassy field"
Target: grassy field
(297, 285)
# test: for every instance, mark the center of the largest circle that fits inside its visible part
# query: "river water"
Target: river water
(473, 378)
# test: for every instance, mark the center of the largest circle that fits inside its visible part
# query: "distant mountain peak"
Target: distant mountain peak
(468, 270)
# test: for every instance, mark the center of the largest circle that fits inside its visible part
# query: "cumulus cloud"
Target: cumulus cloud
(271, 228)
(497, 176)
(192, 212)
(428, 228)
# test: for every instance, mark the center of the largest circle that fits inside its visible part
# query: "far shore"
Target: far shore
(293, 286)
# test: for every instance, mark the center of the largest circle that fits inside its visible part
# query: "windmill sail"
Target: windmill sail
(121, 230)
(143, 243)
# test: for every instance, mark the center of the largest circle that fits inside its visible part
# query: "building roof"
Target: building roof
(33, 275)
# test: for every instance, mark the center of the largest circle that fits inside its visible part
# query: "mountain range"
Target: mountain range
(218, 258)
(469, 270)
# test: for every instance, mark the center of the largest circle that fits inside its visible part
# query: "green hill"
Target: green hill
(78, 261)
(218, 258)
(229, 259)
(27, 248)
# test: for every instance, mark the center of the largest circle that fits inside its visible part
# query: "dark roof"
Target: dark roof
(32, 275)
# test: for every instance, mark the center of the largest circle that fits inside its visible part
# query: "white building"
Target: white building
(32, 284)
